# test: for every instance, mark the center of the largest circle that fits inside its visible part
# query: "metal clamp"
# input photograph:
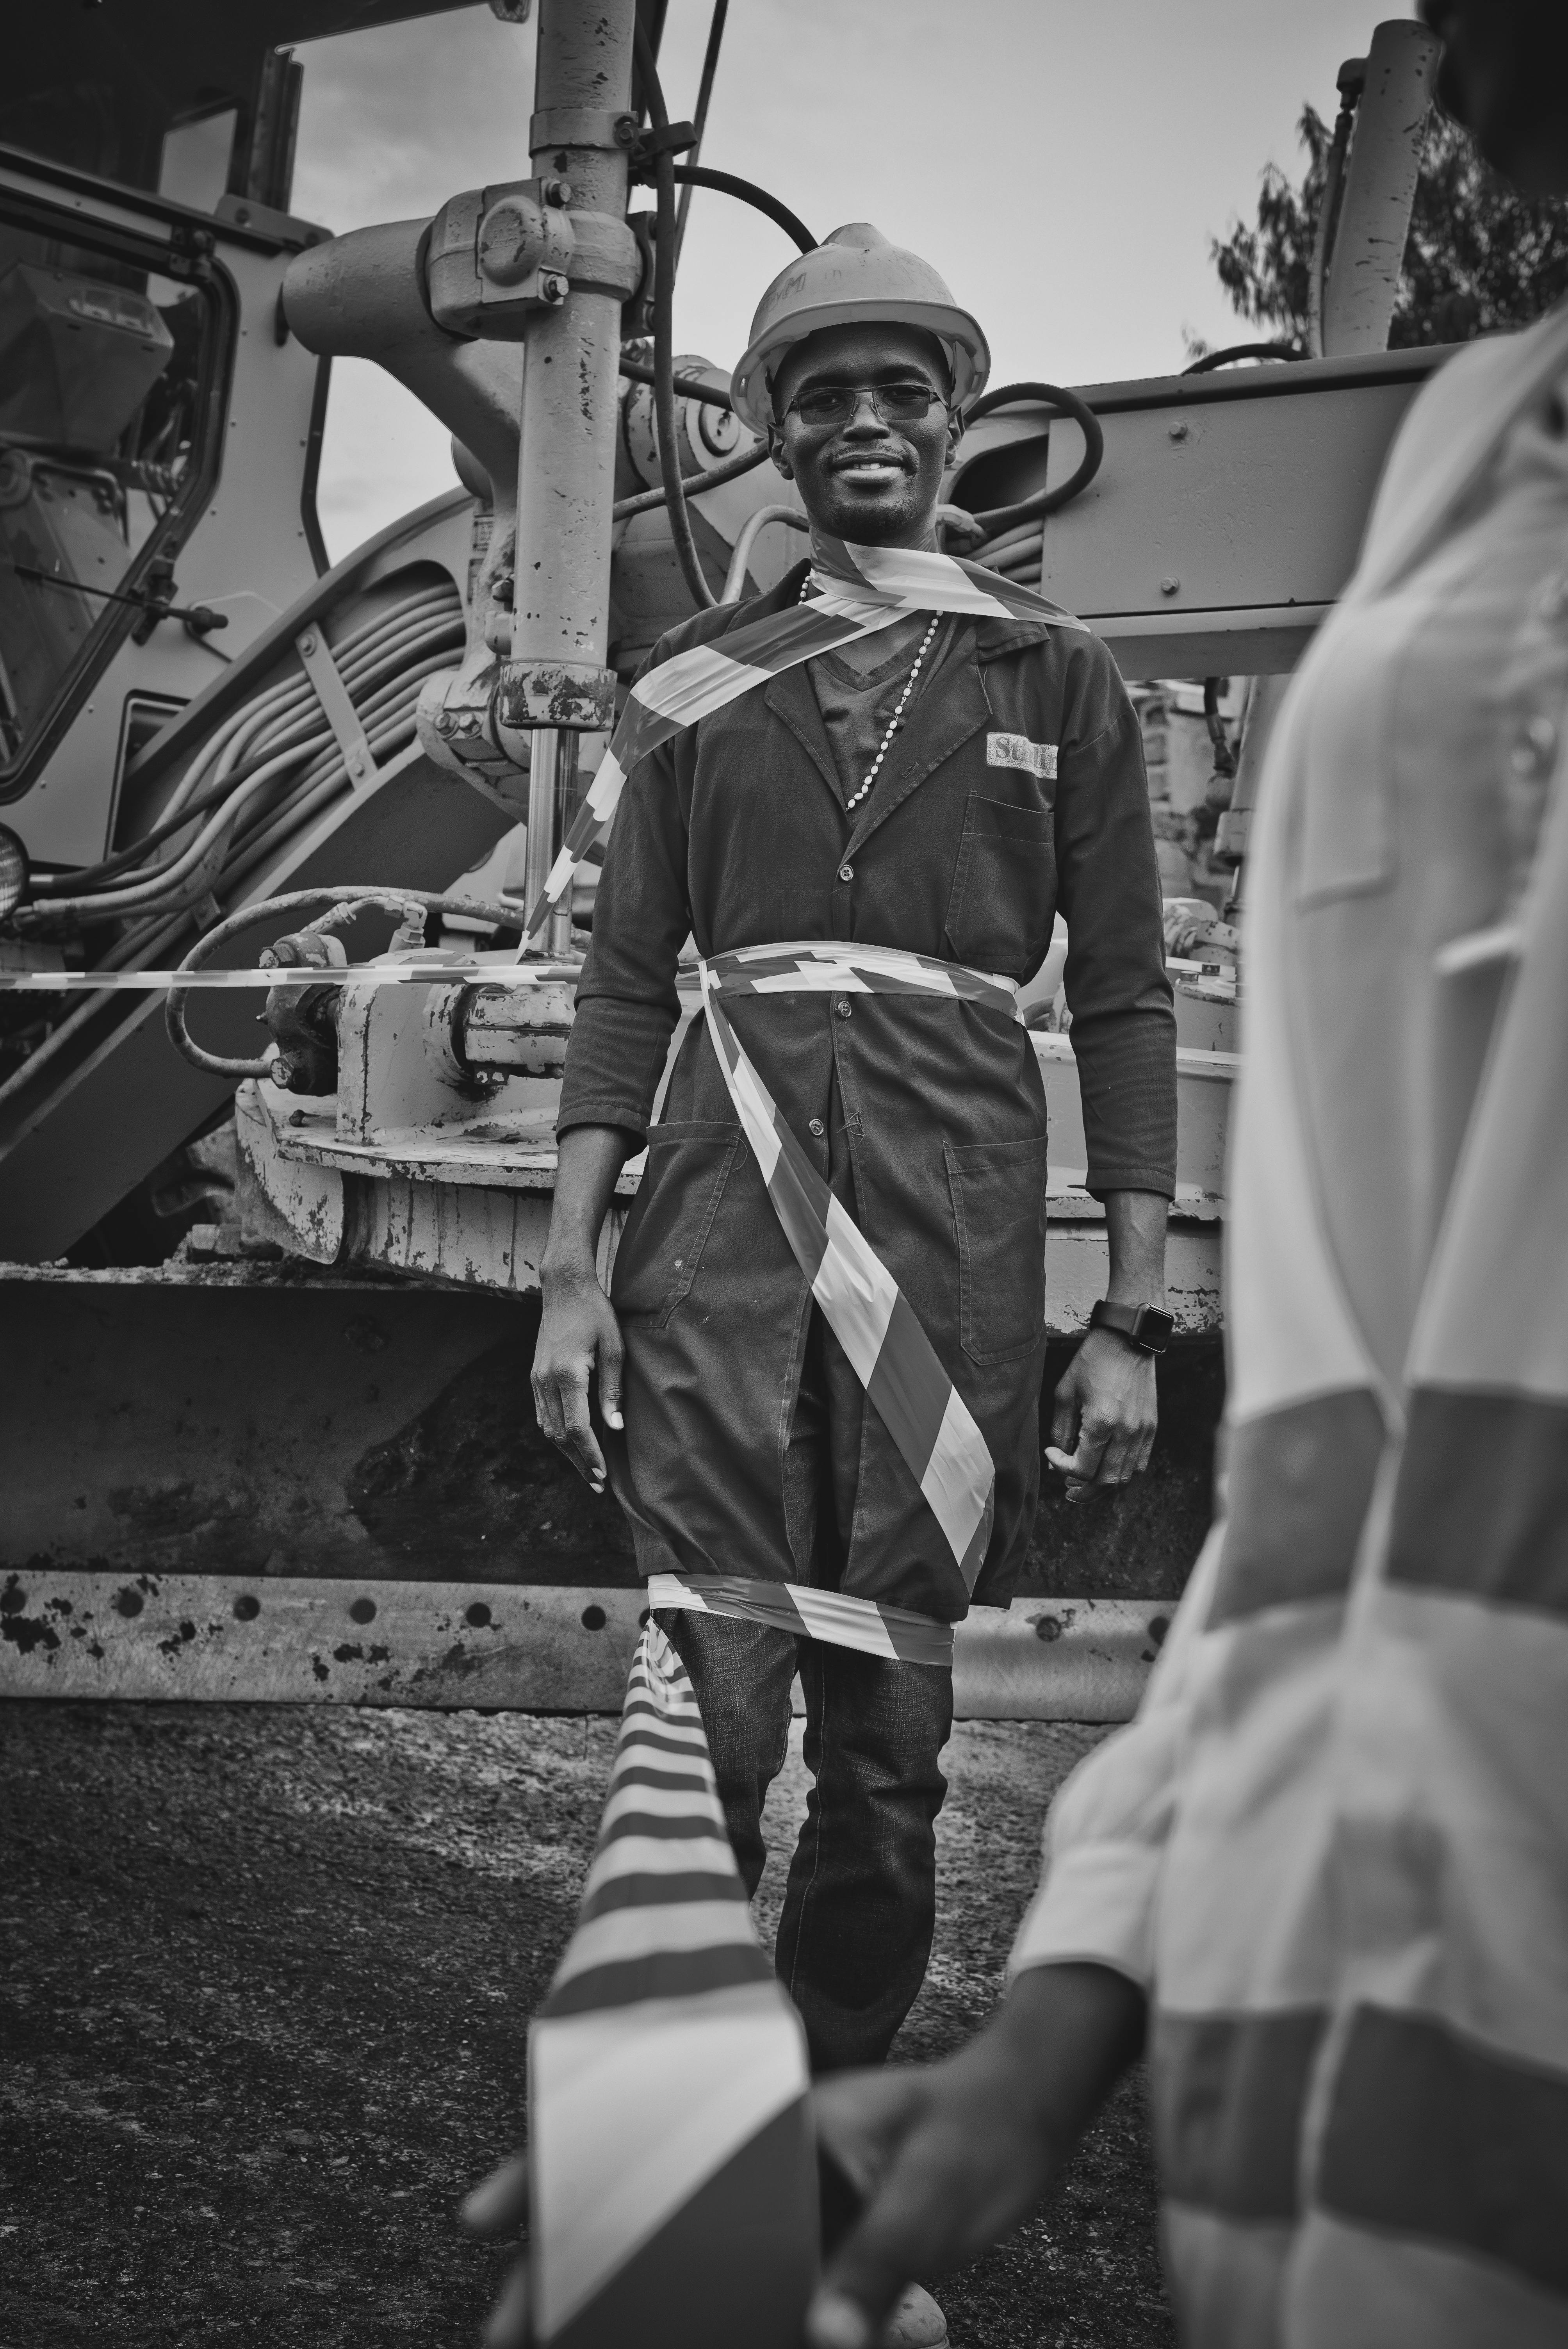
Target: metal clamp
(336, 707)
(580, 126)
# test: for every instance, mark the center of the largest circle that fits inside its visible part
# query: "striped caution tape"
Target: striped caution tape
(854, 592)
(866, 1311)
(159, 982)
(868, 1625)
(807, 966)
(671, 2165)
(846, 967)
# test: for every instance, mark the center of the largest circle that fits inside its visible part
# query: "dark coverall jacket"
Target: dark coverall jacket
(928, 1119)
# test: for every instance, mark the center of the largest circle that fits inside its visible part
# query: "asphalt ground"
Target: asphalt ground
(266, 1973)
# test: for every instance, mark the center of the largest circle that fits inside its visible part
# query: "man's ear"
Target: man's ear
(776, 451)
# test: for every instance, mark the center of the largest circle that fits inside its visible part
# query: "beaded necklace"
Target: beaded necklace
(893, 722)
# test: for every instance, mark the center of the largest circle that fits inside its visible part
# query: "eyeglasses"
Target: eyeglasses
(835, 403)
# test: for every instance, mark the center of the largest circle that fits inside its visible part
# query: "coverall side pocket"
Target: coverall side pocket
(999, 1215)
(687, 1167)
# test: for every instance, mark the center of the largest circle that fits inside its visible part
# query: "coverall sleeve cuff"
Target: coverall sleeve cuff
(1095, 1907)
(604, 1112)
(1158, 1179)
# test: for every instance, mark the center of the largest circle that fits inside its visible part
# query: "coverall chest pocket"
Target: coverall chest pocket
(1003, 885)
(999, 1216)
(688, 1165)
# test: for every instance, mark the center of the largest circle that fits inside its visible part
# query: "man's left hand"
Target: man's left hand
(1103, 1429)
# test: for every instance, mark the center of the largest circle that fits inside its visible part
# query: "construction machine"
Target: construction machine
(269, 1289)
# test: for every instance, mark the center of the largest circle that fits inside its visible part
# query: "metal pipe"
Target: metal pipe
(543, 797)
(558, 931)
(566, 459)
(751, 531)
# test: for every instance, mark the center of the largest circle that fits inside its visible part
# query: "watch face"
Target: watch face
(1155, 1329)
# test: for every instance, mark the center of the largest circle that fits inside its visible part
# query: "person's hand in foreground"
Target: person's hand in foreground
(499, 2207)
(944, 2158)
(949, 2158)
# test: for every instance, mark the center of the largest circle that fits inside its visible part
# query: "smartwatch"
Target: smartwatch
(1143, 1326)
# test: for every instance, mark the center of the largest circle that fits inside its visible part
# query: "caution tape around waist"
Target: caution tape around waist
(867, 1625)
(855, 592)
(867, 1312)
(672, 2171)
(846, 967)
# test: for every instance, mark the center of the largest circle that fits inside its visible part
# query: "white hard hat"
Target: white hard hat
(855, 277)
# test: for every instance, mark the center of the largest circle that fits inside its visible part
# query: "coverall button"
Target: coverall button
(846, 871)
(817, 1127)
(842, 1007)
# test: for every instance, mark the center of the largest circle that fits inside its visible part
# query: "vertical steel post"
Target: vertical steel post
(566, 462)
(551, 774)
(556, 683)
(1374, 224)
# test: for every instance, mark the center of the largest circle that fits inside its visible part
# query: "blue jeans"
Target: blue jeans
(861, 1899)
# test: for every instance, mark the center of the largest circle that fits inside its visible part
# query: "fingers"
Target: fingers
(581, 1444)
(612, 1357)
(499, 2204)
(508, 2326)
(1064, 1414)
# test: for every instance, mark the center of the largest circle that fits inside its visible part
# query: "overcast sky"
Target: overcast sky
(1064, 165)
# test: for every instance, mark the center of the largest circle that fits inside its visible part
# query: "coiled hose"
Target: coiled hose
(266, 772)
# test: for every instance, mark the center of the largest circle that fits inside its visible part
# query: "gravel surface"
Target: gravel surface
(266, 1978)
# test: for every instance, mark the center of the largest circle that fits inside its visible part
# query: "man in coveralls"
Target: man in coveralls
(1010, 787)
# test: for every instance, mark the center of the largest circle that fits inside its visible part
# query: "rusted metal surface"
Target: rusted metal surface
(276, 1420)
(227, 1638)
(440, 1175)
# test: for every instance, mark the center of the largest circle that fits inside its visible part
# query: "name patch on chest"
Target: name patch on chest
(1017, 750)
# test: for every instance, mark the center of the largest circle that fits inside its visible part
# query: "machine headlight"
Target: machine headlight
(15, 873)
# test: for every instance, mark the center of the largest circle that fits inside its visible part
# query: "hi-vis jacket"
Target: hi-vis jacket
(1017, 787)
(1334, 1842)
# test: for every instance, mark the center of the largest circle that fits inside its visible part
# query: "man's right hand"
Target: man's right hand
(578, 1333)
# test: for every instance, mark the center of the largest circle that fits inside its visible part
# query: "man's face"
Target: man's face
(864, 477)
(1505, 75)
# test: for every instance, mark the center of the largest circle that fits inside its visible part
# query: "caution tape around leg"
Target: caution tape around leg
(867, 1625)
(672, 2171)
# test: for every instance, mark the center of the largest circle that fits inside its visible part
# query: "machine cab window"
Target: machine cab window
(107, 372)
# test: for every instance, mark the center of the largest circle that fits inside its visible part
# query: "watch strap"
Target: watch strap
(1143, 1326)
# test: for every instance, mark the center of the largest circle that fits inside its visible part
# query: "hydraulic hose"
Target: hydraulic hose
(725, 183)
(667, 429)
(692, 484)
(687, 386)
(999, 519)
(396, 900)
(287, 736)
(1212, 360)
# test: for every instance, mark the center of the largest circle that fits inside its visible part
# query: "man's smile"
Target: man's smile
(870, 462)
